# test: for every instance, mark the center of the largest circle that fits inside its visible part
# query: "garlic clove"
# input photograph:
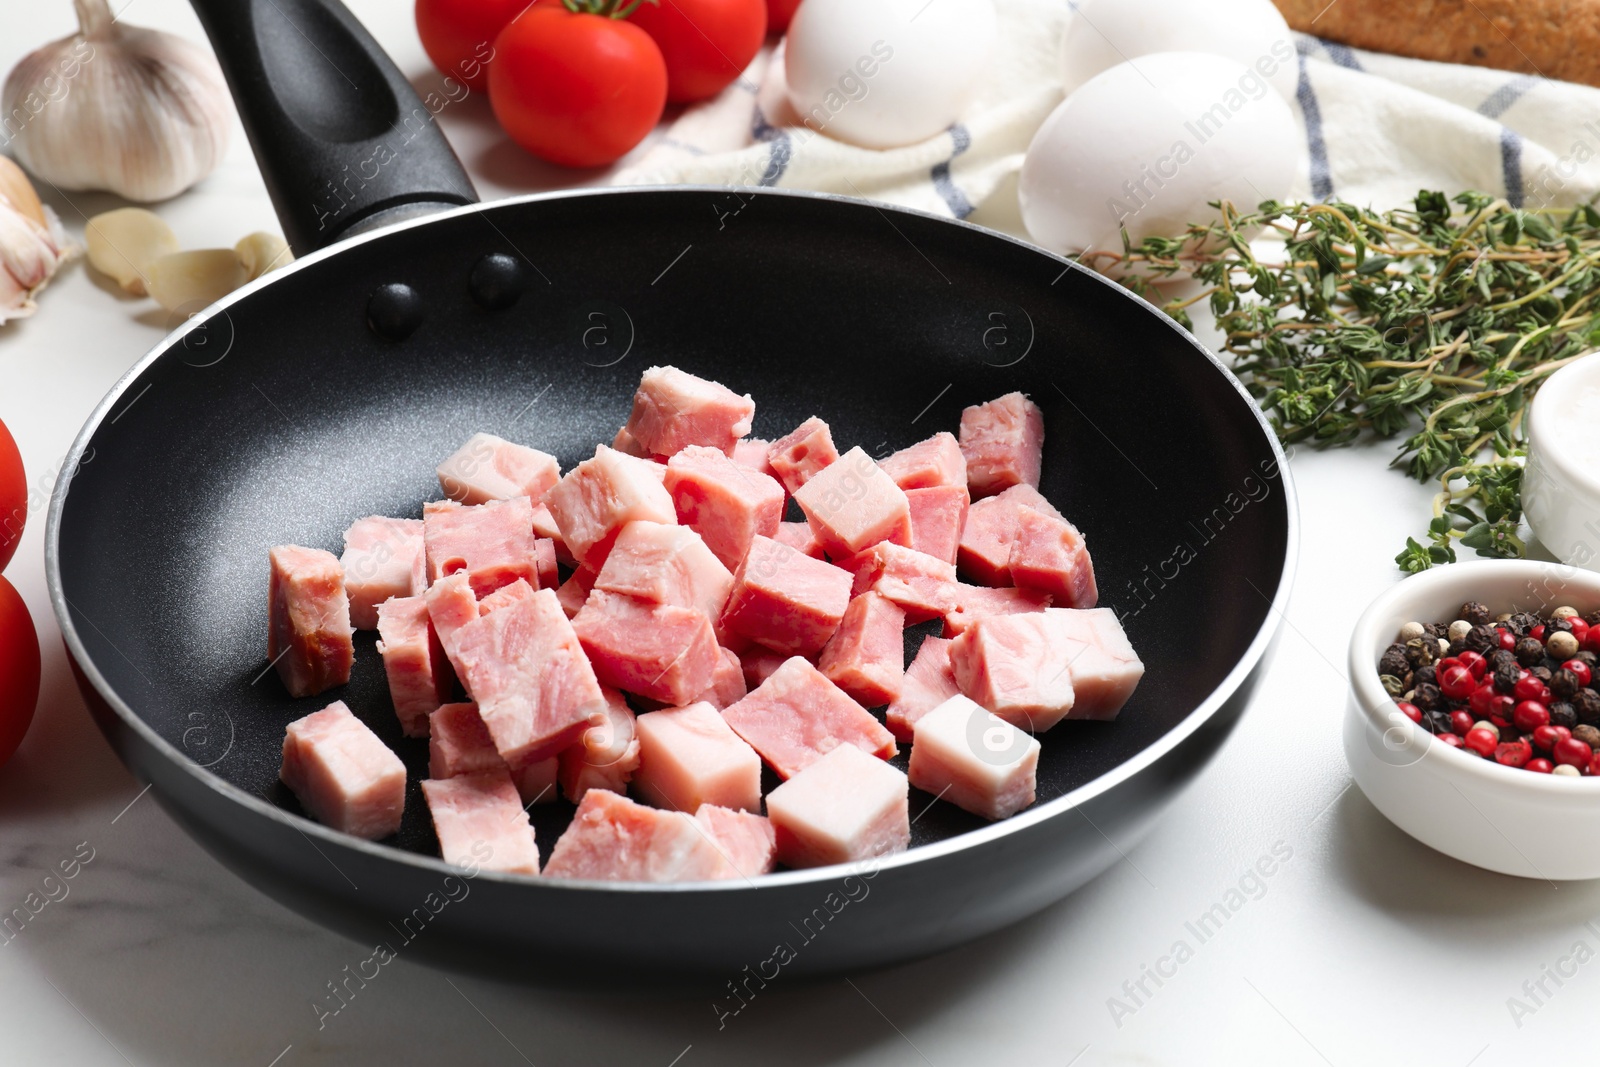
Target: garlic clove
(123, 243)
(32, 247)
(18, 191)
(192, 280)
(261, 252)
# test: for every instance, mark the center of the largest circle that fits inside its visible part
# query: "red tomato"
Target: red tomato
(575, 88)
(706, 43)
(19, 670)
(779, 14)
(13, 496)
(458, 35)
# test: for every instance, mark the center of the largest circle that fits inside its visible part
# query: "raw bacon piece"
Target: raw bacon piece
(728, 504)
(975, 602)
(844, 807)
(1011, 665)
(608, 755)
(938, 515)
(459, 743)
(493, 543)
(533, 685)
(866, 656)
(1105, 668)
(935, 462)
(852, 505)
(413, 660)
(505, 596)
(990, 530)
(342, 774)
(309, 638)
(786, 601)
(797, 716)
(669, 565)
(547, 563)
(624, 442)
(600, 496)
(674, 409)
(451, 605)
(746, 841)
(689, 756)
(611, 838)
(727, 683)
(923, 586)
(491, 468)
(929, 682)
(536, 783)
(973, 759)
(544, 527)
(797, 457)
(752, 452)
(1003, 441)
(382, 559)
(661, 651)
(758, 664)
(798, 536)
(574, 592)
(480, 823)
(1049, 555)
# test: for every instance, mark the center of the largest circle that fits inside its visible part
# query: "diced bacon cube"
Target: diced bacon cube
(990, 531)
(746, 841)
(935, 462)
(480, 822)
(459, 743)
(974, 602)
(342, 774)
(797, 716)
(786, 601)
(309, 639)
(1003, 441)
(727, 683)
(689, 756)
(1105, 668)
(752, 452)
(607, 756)
(532, 682)
(451, 605)
(866, 656)
(382, 559)
(536, 782)
(674, 409)
(1030, 497)
(759, 664)
(625, 443)
(852, 505)
(923, 586)
(728, 504)
(611, 838)
(799, 536)
(491, 543)
(929, 682)
(491, 468)
(547, 563)
(544, 526)
(846, 806)
(600, 496)
(662, 564)
(938, 515)
(574, 592)
(1010, 665)
(797, 457)
(661, 651)
(505, 596)
(419, 677)
(1049, 555)
(974, 759)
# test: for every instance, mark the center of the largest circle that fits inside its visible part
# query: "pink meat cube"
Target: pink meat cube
(727, 683)
(613, 839)
(786, 601)
(973, 759)
(1003, 441)
(975, 602)
(752, 452)
(545, 528)
(459, 743)
(600, 496)
(480, 822)
(532, 683)
(689, 756)
(728, 504)
(670, 565)
(574, 592)
(866, 656)
(929, 682)
(759, 664)
(797, 715)
(1011, 665)
(624, 442)
(923, 586)
(606, 757)
(382, 558)
(489, 468)
(990, 530)
(807, 449)
(852, 505)
(1105, 669)
(1049, 555)
(491, 543)
(799, 536)
(746, 841)
(547, 563)
(844, 807)
(309, 638)
(505, 596)
(537, 782)
(935, 462)
(938, 515)
(661, 651)
(674, 409)
(451, 605)
(342, 774)
(419, 677)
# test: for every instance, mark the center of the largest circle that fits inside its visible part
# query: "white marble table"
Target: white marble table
(1362, 948)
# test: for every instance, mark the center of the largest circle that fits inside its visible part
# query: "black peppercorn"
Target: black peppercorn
(1437, 722)
(1543, 673)
(1475, 613)
(1505, 679)
(1522, 622)
(1590, 658)
(1593, 618)
(1392, 685)
(1422, 651)
(1563, 714)
(1588, 735)
(1424, 676)
(1394, 661)
(1458, 646)
(1429, 698)
(1587, 704)
(1501, 659)
(1564, 685)
(1436, 629)
(1530, 653)
(1481, 639)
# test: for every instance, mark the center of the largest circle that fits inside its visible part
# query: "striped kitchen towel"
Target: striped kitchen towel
(1376, 128)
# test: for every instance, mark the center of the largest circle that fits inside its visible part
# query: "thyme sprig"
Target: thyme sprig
(1435, 322)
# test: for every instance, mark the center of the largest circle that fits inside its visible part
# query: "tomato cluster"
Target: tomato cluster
(581, 82)
(19, 644)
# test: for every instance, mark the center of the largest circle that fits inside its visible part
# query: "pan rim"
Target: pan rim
(1201, 714)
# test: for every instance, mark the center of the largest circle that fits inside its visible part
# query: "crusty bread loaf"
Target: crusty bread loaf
(1554, 38)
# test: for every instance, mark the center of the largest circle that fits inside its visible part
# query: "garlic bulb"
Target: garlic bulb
(32, 245)
(139, 112)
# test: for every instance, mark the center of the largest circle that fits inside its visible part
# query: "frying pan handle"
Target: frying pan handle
(343, 141)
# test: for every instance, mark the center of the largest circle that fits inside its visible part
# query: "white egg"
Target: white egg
(1103, 33)
(886, 73)
(1148, 147)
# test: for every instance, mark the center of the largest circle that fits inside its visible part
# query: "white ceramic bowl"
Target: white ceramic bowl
(1500, 818)
(1561, 484)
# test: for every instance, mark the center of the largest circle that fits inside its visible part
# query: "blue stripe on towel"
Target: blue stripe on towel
(1321, 177)
(1500, 101)
(1511, 164)
(781, 152)
(1342, 55)
(953, 198)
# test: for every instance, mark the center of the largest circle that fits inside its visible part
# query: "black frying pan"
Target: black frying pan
(330, 390)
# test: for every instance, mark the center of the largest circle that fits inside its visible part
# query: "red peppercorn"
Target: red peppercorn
(1450, 739)
(1573, 752)
(1578, 667)
(1529, 687)
(1410, 711)
(1457, 682)
(1513, 753)
(1547, 737)
(1475, 663)
(1539, 766)
(1594, 764)
(1580, 629)
(1484, 742)
(1508, 640)
(1530, 715)
(1537, 633)
(1461, 722)
(1591, 640)
(1482, 700)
